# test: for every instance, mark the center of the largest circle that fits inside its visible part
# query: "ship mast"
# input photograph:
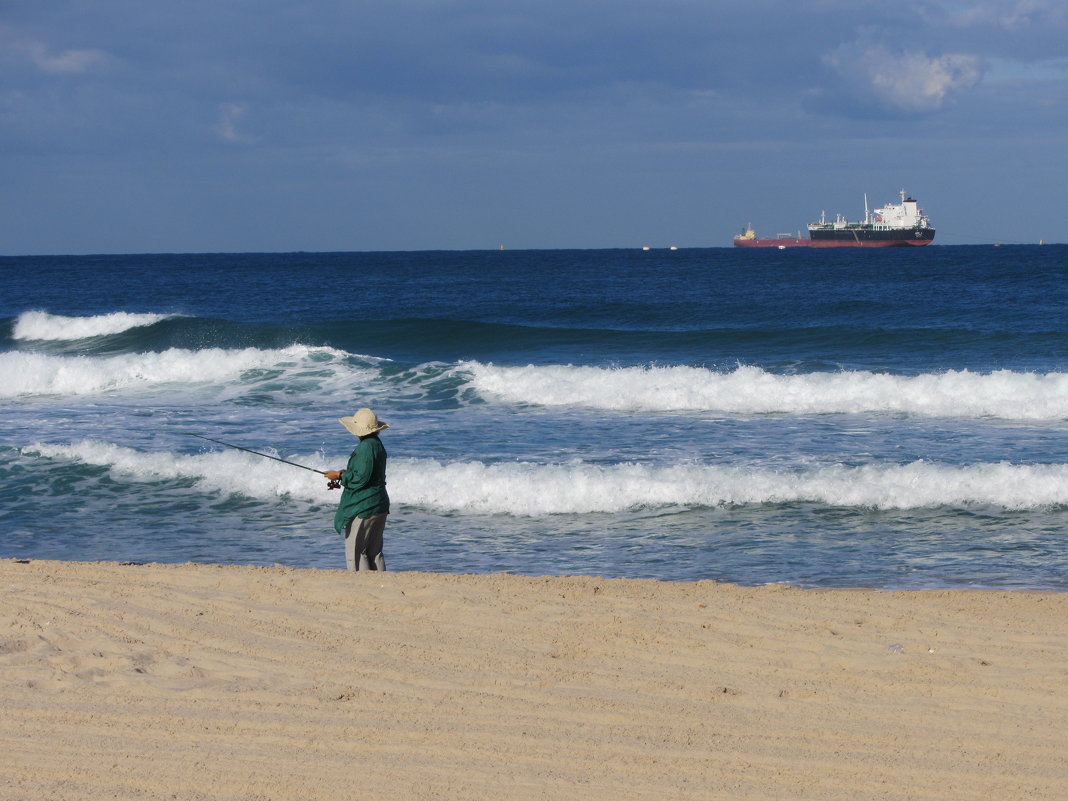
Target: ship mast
(867, 213)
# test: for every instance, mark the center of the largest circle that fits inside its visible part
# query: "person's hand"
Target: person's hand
(332, 475)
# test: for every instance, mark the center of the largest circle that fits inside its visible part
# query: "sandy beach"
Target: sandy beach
(208, 682)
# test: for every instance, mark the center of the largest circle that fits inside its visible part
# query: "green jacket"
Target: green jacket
(364, 482)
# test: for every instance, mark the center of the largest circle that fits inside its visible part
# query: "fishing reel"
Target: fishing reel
(333, 485)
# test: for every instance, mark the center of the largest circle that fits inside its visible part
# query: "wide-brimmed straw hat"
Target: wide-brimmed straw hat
(363, 423)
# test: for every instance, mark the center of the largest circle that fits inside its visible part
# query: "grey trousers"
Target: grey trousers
(363, 543)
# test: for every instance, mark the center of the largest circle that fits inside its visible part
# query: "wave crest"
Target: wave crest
(535, 490)
(752, 390)
(42, 326)
(31, 374)
(746, 390)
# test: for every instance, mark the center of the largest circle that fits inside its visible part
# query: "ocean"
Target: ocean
(892, 418)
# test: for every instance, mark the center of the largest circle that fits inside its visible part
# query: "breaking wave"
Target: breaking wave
(42, 326)
(746, 390)
(530, 489)
(752, 390)
(32, 374)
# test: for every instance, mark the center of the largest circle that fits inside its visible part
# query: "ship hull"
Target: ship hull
(869, 238)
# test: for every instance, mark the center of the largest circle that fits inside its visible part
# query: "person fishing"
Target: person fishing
(364, 505)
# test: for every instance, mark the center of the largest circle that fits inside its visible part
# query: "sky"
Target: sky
(130, 126)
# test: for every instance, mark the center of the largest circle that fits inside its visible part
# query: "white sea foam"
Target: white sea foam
(30, 374)
(1002, 394)
(227, 471)
(751, 390)
(529, 489)
(40, 325)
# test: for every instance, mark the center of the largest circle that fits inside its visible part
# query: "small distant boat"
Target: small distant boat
(894, 225)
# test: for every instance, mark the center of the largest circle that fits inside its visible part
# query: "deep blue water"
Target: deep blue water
(882, 418)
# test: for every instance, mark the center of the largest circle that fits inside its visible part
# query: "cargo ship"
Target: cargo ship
(894, 225)
(749, 239)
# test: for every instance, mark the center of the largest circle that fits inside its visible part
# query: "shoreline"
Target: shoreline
(236, 682)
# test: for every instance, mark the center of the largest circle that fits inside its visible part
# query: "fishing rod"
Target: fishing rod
(329, 484)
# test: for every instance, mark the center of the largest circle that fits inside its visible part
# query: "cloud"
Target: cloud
(873, 80)
(997, 13)
(230, 115)
(1021, 30)
(62, 62)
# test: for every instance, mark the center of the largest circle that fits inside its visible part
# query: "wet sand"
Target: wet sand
(209, 682)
